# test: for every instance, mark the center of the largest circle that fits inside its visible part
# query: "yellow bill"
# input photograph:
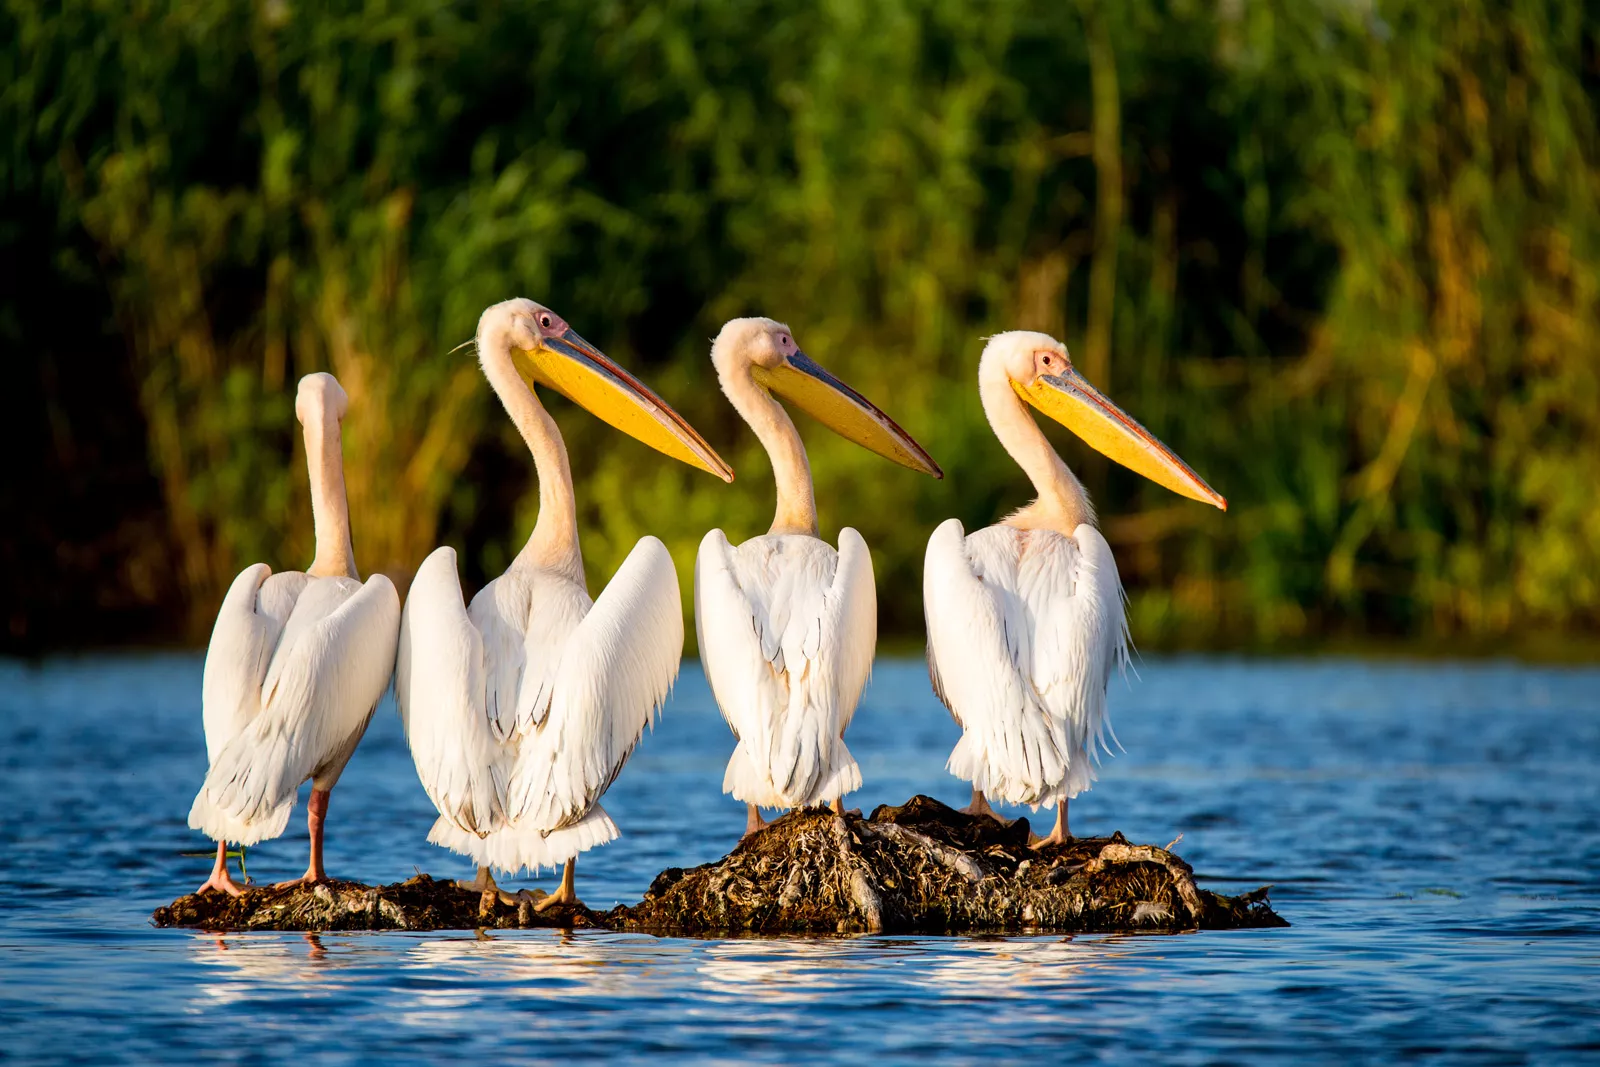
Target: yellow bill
(1080, 407)
(844, 411)
(586, 376)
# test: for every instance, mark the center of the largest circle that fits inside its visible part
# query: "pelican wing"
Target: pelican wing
(440, 691)
(558, 606)
(1080, 631)
(326, 677)
(1024, 628)
(742, 657)
(615, 671)
(848, 634)
(246, 634)
(788, 627)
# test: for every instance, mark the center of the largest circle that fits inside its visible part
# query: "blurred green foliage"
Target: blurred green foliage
(1344, 256)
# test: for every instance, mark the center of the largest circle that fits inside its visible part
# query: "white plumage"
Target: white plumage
(787, 625)
(1026, 619)
(522, 709)
(1024, 630)
(295, 668)
(787, 630)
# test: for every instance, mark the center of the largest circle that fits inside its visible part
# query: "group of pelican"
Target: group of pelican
(522, 706)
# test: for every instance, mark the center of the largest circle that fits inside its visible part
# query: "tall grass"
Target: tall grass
(1342, 256)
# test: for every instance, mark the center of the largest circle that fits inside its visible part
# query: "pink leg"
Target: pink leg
(566, 893)
(220, 878)
(753, 821)
(316, 813)
(980, 806)
(1060, 835)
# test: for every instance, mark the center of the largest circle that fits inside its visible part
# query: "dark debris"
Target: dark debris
(918, 868)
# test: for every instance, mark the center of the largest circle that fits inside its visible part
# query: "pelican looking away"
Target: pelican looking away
(522, 709)
(297, 662)
(1025, 619)
(787, 625)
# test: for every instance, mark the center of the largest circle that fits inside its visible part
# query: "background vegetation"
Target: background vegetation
(1343, 255)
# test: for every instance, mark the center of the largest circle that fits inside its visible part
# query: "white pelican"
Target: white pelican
(522, 709)
(1025, 619)
(787, 625)
(296, 665)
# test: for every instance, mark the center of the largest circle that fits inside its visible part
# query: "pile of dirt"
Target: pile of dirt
(420, 903)
(920, 868)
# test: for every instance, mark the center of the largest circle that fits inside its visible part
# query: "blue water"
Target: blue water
(1433, 833)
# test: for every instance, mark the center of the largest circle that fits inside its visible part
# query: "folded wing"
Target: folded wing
(249, 625)
(741, 654)
(331, 666)
(788, 626)
(614, 673)
(1080, 632)
(979, 653)
(1024, 629)
(440, 691)
(824, 606)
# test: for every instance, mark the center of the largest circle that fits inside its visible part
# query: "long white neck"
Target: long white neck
(330, 510)
(1062, 505)
(791, 470)
(553, 545)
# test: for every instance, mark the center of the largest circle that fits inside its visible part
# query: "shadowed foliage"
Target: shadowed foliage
(1343, 256)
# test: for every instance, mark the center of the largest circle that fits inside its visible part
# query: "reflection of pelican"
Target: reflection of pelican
(265, 966)
(821, 968)
(1015, 967)
(791, 969)
(560, 963)
(1025, 619)
(532, 971)
(296, 665)
(522, 709)
(787, 625)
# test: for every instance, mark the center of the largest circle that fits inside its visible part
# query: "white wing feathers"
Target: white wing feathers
(613, 674)
(331, 666)
(787, 632)
(742, 660)
(557, 607)
(1024, 629)
(440, 688)
(248, 627)
(978, 648)
(853, 616)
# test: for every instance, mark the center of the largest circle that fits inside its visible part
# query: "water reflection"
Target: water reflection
(241, 967)
(1364, 792)
(1022, 968)
(787, 969)
(440, 977)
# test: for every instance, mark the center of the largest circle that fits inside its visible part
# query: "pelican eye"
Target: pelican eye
(544, 321)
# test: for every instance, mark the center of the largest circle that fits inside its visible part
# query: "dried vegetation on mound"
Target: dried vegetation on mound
(918, 868)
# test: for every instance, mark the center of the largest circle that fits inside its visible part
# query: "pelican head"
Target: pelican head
(767, 352)
(1039, 369)
(319, 396)
(546, 351)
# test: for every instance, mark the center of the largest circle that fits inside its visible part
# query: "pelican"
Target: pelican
(297, 663)
(1025, 619)
(522, 708)
(787, 625)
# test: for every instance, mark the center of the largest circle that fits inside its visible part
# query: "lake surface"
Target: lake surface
(1433, 833)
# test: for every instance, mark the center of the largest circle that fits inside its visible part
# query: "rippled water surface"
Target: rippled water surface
(1433, 833)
